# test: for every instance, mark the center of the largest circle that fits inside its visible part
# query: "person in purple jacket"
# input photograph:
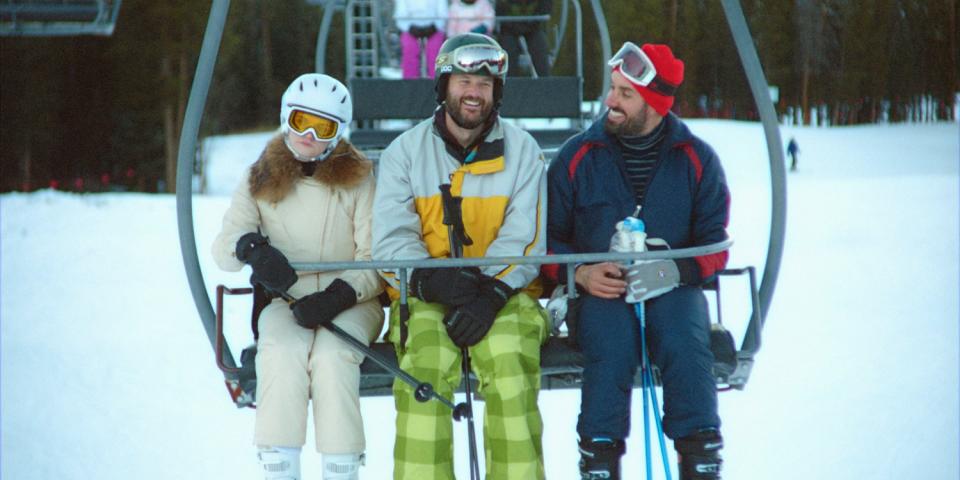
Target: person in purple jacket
(640, 154)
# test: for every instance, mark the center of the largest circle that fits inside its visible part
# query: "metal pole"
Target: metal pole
(320, 61)
(528, 260)
(457, 235)
(185, 159)
(778, 182)
(605, 49)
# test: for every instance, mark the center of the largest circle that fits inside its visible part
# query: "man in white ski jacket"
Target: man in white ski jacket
(498, 171)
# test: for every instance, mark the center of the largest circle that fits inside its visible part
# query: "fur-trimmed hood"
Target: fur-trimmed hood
(276, 171)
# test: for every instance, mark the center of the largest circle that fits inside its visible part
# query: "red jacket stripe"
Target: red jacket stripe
(694, 158)
(551, 270)
(713, 263)
(575, 161)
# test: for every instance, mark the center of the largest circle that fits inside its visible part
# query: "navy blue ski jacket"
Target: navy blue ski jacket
(687, 202)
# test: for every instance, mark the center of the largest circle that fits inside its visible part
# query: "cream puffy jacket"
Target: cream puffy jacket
(323, 218)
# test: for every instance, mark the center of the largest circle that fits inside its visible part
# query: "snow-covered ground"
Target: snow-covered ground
(105, 371)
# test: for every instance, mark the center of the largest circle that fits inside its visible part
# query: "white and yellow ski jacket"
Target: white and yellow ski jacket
(503, 191)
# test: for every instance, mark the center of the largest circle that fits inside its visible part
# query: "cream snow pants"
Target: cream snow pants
(295, 365)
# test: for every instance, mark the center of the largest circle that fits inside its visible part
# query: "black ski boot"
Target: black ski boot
(600, 459)
(699, 455)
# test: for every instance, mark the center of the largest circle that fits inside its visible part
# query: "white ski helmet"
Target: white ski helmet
(319, 104)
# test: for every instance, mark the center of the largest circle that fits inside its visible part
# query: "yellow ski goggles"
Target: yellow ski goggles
(323, 127)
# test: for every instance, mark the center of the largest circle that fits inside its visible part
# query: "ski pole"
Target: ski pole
(468, 406)
(636, 230)
(644, 386)
(457, 235)
(649, 388)
(422, 391)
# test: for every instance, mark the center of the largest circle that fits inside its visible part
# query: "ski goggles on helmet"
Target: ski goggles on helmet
(634, 64)
(322, 126)
(473, 58)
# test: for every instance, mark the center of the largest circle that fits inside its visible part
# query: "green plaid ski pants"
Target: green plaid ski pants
(507, 363)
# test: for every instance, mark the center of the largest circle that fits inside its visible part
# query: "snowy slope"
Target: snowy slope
(105, 372)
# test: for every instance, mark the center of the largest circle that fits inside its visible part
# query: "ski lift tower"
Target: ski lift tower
(26, 18)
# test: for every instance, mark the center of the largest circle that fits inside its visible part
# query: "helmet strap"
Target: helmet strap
(303, 158)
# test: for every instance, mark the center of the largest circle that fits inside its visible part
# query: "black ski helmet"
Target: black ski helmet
(447, 63)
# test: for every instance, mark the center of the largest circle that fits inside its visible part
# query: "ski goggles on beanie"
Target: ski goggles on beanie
(634, 64)
(322, 126)
(473, 58)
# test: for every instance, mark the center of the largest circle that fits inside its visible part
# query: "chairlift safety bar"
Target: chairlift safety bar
(526, 260)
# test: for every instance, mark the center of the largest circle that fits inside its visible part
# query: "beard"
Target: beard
(452, 106)
(632, 126)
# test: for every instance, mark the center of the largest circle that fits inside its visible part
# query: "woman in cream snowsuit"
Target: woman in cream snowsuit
(308, 198)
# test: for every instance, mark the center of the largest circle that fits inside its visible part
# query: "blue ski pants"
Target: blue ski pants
(678, 341)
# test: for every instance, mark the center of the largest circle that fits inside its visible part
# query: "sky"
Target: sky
(106, 373)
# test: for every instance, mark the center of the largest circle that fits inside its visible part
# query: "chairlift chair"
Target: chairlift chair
(560, 363)
(377, 100)
(19, 18)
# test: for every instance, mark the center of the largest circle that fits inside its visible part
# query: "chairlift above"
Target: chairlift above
(20, 18)
(377, 99)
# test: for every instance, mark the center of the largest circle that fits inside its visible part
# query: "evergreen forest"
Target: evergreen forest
(95, 113)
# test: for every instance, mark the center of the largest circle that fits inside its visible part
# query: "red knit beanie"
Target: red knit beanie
(659, 94)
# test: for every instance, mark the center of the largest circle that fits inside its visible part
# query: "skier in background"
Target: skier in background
(468, 16)
(793, 150)
(421, 24)
(532, 32)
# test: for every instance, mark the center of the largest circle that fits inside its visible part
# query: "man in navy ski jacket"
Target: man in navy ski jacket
(640, 154)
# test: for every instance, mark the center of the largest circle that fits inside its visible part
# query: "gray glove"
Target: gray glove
(650, 279)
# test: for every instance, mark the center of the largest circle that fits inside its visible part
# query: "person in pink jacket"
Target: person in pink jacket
(308, 198)
(468, 16)
(421, 24)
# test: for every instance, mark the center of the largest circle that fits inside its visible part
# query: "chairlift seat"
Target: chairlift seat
(377, 99)
(561, 363)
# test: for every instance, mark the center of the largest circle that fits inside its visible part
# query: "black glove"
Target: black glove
(270, 268)
(321, 308)
(450, 286)
(469, 323)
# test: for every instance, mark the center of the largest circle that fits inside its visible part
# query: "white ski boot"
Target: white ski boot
(279, 463)
(345, 466)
